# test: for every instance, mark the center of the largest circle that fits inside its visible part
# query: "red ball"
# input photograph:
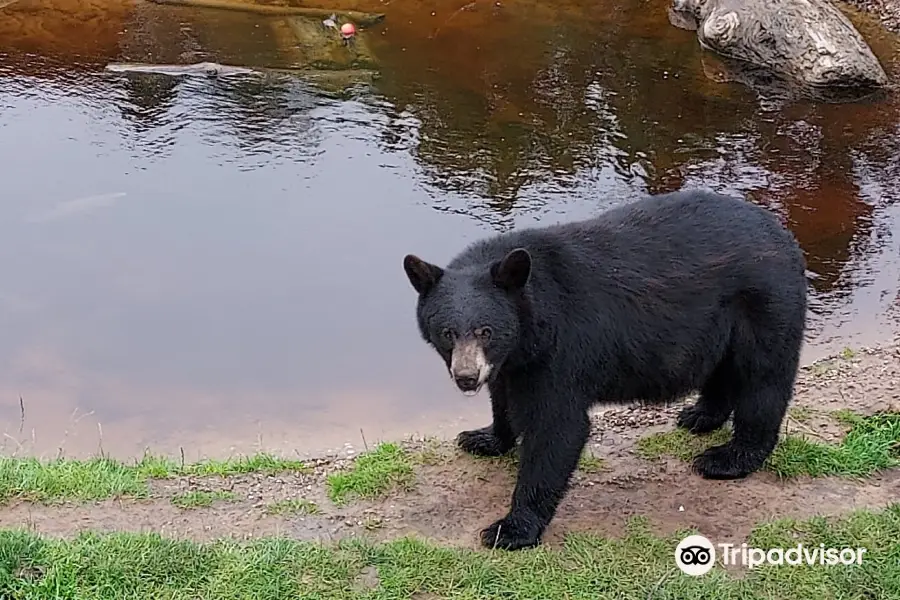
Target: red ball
(348, 29)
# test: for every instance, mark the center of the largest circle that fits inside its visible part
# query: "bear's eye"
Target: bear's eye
(449, 334)
(484, 333)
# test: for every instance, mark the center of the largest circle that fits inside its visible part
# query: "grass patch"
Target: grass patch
(95, 479)
(872, 444)
(679, 443)
(433, 452)
(201, 499)
(588, 463)
(373, 473)
(99, 478)
(802, 414)
(161, 467)
(293, 506)
(848, 354)
(637, 566)
(845, 416)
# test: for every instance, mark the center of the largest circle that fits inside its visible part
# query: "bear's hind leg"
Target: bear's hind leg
(760, 406)
(716, 402)
(764, 359)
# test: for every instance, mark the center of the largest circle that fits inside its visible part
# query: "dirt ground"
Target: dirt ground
(887, 11)
(454, 495)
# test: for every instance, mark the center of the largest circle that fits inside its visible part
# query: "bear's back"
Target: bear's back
(657, 236)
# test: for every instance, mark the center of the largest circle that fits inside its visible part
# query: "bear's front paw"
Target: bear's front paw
(482, 442)
(512, 533)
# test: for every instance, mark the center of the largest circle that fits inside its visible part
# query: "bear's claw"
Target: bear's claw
(727, 461)
(511, 533)
(482, 442)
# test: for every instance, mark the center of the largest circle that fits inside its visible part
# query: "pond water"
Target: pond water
(215, 263)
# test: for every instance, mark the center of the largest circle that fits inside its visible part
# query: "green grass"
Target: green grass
(800, 413)
(159, 467)
(848, 354)
(201, 499)
(373, 473)
(638, 566)
(99, 478)
(679, 443)
(31, 479)
(871, 445)
(293, 506)
(588, 463)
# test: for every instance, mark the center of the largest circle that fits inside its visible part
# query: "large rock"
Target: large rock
(808, 41)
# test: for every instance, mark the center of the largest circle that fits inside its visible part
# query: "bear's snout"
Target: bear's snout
(466, 383)
(469, 366)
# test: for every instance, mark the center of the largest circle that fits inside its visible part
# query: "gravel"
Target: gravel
(888, 11)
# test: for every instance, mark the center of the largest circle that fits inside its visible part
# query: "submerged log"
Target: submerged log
(328, 81)
(210, 69)
(360, 18)
(213, 69)
(807, 41)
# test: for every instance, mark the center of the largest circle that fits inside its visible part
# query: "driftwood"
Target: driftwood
(335, 81)
(808, 41)
(212, 69)
(360, 18)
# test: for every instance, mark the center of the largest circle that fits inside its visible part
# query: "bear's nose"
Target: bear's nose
(466, 383)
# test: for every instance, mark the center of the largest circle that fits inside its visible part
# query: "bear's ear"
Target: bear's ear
(513, 271)
(422, 275)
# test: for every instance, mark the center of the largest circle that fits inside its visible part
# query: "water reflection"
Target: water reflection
(207, 261)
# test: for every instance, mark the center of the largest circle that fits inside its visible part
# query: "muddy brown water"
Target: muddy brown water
(214, 264)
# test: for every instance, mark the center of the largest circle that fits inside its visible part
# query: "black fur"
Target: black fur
(647, 302)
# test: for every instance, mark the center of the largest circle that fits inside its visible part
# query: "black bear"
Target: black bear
(650, 301)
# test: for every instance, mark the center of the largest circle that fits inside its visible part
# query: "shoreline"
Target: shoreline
(432, 488)
(88, 434)
(402, 520)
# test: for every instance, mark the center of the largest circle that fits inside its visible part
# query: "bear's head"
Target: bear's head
(471, 316)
